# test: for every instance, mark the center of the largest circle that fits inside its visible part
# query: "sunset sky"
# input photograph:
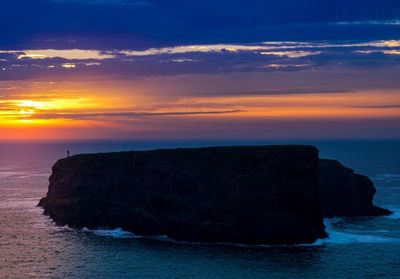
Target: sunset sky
(284, 69)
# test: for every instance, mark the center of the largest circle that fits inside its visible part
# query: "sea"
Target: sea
(31, 246)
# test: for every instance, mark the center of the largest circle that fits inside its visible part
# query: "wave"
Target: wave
(335, 237)
(20, 203)
(6, 173)
(395, 214)
(120, 233)
(114, 233)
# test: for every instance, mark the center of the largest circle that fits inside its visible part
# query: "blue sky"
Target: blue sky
(147, 23)
(169, 53)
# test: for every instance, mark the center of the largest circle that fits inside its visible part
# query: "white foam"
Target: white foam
(336, 236)
(120, 233)
(395, 214)
(115, 233)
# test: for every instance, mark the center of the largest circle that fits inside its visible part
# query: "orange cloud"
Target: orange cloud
(99, 111)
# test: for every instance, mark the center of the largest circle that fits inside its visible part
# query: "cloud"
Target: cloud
(387, 52)
(394, 22)
(71, 54)
(289, 49)
(388, 106)
(126, 115)
(180, 60)
(392, 52)
(285, 66)
(291, 54)
(136, 3)
(195, 48)
(68, 66)
(279, 91)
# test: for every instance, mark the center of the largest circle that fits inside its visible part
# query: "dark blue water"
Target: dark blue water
(32, 247)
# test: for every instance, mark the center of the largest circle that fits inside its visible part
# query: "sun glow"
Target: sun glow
(57, 104)
(71, 110)
(31, 104)
(31, 112)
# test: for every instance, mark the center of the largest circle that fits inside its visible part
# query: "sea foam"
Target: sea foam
(335, 236)
(114, 233)
(395, 214)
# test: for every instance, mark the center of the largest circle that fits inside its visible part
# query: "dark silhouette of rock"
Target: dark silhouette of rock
(252, 195)
(344, 193)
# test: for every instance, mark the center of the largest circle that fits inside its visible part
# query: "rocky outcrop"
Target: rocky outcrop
(344, 193)
(252, 195)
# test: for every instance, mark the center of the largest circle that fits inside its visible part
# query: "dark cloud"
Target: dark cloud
(198, 59)
(388, 106)
(146, 23)
(134, 3)
(125, 115)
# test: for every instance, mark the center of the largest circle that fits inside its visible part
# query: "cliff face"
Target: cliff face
(344, 193)
(267, 194)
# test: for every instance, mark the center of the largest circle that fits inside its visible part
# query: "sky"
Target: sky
(137, 69)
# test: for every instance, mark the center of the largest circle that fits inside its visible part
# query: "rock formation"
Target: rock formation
(253, 195)
(344, 193)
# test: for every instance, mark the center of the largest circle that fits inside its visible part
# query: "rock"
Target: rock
(250, 195)
(344, 193)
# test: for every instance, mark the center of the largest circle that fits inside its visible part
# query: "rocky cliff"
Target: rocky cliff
(344, 193)
(253, 195)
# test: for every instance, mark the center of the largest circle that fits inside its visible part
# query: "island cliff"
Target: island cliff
(344, 193)
(251, 195)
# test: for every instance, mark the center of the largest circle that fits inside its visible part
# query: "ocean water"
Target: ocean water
(32, 247)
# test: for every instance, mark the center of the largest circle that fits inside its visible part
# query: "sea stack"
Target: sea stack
(249, 195)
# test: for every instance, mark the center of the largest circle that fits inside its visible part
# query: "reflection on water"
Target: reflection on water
(32, 247)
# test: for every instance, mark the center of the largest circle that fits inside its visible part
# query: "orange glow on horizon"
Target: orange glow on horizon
(59, 112)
